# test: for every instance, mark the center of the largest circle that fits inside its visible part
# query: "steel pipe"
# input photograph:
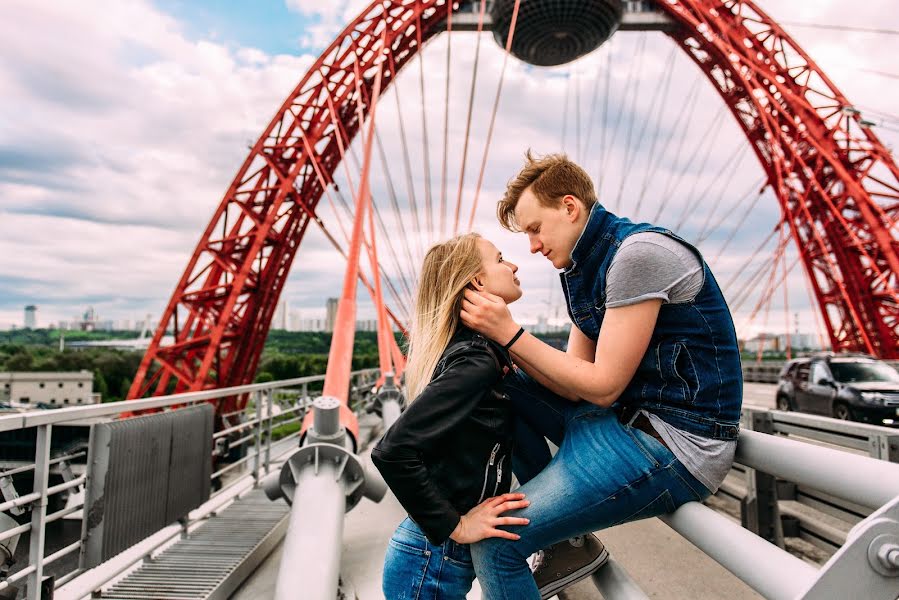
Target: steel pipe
(613, 581)
(311, 557)
(774, 573)
(860, 479)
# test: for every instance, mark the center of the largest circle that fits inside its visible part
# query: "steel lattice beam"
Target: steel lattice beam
(837, 185)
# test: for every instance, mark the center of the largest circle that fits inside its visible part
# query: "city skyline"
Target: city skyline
(140, 152)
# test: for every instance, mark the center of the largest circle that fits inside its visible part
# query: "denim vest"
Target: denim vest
(690, 376)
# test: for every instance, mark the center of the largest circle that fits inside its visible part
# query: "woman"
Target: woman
(447, 458)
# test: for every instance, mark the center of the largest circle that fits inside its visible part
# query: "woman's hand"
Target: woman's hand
(488, 314)
(482, 520)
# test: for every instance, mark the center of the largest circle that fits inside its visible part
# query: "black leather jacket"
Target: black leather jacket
(451, 448)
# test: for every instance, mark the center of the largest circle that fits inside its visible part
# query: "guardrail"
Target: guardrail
(273, 405)
(768, 371)
(819, 518)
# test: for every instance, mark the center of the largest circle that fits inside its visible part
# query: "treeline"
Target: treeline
(287, 354)
(113, 369)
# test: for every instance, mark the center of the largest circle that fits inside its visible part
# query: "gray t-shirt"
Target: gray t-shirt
(652, 265)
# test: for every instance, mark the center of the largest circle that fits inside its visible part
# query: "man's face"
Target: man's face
(552, 231)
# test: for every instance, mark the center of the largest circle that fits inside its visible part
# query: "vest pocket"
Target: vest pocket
(684, 373)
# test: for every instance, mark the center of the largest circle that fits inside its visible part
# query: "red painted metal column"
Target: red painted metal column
(340, 358)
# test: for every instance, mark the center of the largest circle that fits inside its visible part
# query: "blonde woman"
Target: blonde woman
(447, 458)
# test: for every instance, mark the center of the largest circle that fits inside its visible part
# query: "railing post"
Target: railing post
(39, 511)
(270, 395)
(257, 459)
(885, 446)
(759, 512)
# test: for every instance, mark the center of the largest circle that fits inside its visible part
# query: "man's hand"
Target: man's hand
(482, 520)
(488, 314)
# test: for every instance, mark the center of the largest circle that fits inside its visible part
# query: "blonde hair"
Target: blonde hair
(447, 269)
(550, 178)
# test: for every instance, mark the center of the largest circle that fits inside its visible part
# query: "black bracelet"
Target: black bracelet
(514, 339)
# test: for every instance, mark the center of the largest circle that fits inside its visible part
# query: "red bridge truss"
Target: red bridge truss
(837, 186)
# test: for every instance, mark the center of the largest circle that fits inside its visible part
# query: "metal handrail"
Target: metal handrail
(260, 427)
(34, 418)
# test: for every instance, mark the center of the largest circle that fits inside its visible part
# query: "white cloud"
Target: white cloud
(124, 140)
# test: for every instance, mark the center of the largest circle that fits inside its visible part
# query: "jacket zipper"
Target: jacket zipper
(487, 471)
(499, 473)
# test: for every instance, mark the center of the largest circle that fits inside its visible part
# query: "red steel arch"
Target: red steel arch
(836, 183)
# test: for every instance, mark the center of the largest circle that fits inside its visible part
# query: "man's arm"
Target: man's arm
(579, 346)
(623, 340)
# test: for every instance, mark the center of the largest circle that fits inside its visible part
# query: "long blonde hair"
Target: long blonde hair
(448, 267)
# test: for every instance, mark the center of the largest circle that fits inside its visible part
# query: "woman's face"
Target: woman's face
(498, 275)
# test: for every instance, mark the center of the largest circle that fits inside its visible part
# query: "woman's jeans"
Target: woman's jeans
(415, 569)
(604, 474)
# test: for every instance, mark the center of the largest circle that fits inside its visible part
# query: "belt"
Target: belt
(643, 424)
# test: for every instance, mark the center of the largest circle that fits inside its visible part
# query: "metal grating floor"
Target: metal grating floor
(215, 559)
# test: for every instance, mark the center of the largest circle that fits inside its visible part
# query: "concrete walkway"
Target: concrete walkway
(662, 563)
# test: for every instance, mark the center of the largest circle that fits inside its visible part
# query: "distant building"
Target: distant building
(777, 342)
(331, 313)
(31, 317)
(279, 320)
(31, 389)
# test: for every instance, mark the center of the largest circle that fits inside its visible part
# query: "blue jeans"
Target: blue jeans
(604, 474)
(415, 569)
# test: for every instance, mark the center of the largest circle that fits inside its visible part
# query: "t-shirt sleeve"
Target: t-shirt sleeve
(648, 268)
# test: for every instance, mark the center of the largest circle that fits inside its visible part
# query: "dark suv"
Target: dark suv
(843, 386)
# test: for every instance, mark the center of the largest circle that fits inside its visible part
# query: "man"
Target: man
(645, 403)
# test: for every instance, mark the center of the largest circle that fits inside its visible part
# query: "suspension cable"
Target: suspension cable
(341, 137)
(739, 222)
(660, 92)
(397, 213)
(342, 142)
(426, 156)
(745, 196)
(735, 168)
(655, 159)
(565, 103)
(592, 119)
(767, 291)
(666, 192)
(748, 261)
(636, 93)
(639, 46)
(816, 317)
(325, 188)
(499, 90)
(693, 199)
(786, 287)
(446, 112)
(605, 121)
(474, 79)
(407, 164)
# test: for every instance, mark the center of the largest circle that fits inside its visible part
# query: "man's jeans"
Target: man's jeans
(415, 569)
(604, 474)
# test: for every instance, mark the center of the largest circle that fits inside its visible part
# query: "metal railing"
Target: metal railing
(768, 371)
(866, 563)
(767, 504)
(273, 405)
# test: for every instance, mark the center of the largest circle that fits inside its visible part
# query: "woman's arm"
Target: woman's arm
(441, 407)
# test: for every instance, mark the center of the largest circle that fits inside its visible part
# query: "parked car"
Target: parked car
(844, 386)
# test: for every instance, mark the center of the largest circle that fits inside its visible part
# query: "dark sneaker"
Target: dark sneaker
(567, 562)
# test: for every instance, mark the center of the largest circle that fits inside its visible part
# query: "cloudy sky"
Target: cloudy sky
(122, 123)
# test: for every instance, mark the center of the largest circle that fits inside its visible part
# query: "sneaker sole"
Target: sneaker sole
(551, 589)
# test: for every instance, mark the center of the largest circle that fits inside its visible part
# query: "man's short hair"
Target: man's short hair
(550, 178)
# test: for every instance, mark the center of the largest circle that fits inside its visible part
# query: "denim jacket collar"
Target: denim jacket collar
(598, 223)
